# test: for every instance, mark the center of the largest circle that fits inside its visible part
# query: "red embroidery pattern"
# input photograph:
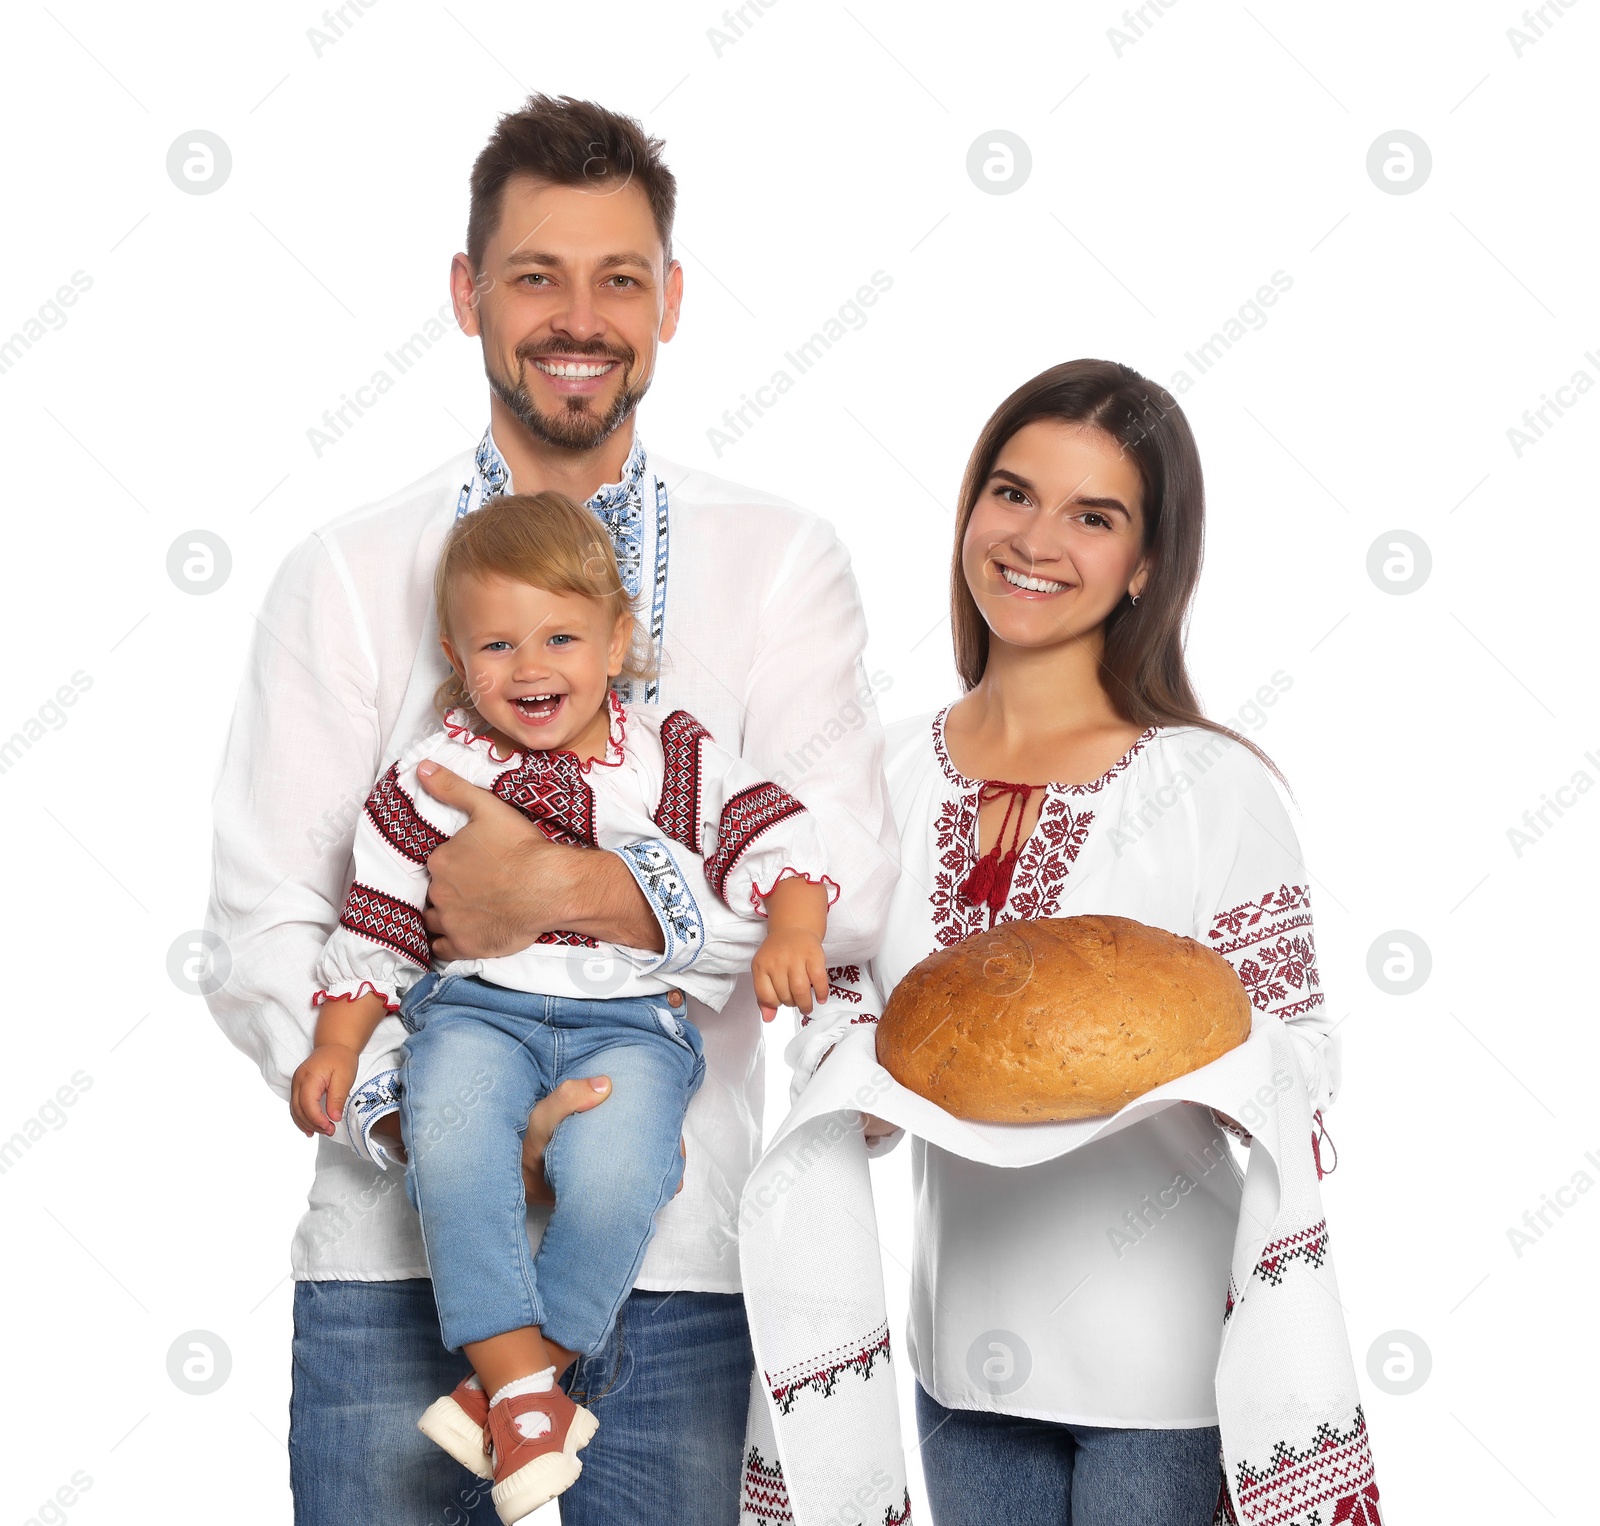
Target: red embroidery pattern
(744, 818)
(1298, 1485)
(955, 832)
(1270, 945)
(572, 940)
(382, 919)
(550, 790)
(860, 1017)
(821, 1373)
(394, 813)
(1223, 1514)
(847, 972)
(1094, 786)
(1308, 1245)
(766, 1496)
(1047, 859)
(1044, 863)
(678, 814)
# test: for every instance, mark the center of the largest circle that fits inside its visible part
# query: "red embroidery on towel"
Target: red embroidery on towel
(1301, 1485)
(821, 1373)
(766, 1496)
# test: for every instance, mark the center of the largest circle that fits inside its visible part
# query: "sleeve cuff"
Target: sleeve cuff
(376, 1097)
(677, 913)
(789, 872)
(354, 990)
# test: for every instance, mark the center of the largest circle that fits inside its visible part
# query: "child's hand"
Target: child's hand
(320, 1086)
(787, 968)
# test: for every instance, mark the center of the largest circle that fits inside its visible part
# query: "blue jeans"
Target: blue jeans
(670, 1389)
(982, 1468)
(478, 1058)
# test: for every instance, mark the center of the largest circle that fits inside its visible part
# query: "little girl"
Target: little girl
(535, 624)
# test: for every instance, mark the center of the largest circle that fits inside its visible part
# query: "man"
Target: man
(569, 283)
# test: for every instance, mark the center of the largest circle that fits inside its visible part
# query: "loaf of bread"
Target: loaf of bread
(1069, 1017)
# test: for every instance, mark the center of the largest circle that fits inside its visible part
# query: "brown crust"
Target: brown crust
(1067, 1017)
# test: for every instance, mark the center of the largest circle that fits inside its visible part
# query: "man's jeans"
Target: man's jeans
(670, 1389)
(478, 1058)
(982, 1469)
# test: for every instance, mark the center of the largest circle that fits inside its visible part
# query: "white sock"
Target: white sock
(535, 1383)
(533, 1424)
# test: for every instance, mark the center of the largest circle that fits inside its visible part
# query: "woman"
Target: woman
(1065, 1324)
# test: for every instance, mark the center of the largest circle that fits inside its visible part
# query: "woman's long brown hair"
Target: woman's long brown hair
(1143, 668)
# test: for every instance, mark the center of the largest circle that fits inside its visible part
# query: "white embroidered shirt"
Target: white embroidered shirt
(1105, 1271)
(730, 836)
(758, 623)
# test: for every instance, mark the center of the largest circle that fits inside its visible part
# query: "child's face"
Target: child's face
(536, 664)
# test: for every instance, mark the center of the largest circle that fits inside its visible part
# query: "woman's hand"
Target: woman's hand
(320, 1086)
(872, 1126)
(574, 1096)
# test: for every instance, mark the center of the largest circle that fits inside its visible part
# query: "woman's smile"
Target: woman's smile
(1029, 584)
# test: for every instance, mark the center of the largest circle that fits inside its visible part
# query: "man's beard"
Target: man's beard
(574, 427)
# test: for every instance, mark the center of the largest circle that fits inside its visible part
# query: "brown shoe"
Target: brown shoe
(459, 1422)
(531, 1469)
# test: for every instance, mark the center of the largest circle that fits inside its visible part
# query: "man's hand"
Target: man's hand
(574, 1096)
(499, 884)
(320, 1086)
(787, 968)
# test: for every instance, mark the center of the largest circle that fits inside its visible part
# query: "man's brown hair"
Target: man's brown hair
(564, 141)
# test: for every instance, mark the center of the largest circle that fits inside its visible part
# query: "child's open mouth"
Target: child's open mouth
(538, 709)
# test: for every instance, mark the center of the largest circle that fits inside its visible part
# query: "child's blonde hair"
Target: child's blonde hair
(548, 542)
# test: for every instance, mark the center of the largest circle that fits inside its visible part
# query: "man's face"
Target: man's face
(573, 297)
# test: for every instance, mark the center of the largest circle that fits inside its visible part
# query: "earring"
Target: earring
(1133, 599)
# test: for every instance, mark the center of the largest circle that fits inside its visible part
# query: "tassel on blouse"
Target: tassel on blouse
(1321, 1139)
(989, 883)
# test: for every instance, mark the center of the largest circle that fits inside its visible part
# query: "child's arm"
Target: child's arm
(320, 1085)
(790, 965)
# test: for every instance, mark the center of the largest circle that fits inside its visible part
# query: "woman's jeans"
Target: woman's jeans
(478, 1059)
(981, 1469)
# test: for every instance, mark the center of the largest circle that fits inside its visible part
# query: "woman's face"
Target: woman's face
(1056, 537)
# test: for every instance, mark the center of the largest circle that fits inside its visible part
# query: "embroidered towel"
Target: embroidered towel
(824, 1447)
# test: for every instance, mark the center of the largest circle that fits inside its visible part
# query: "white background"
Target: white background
(1171, 176)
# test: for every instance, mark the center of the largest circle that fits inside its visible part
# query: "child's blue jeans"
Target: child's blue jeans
(479, 1057)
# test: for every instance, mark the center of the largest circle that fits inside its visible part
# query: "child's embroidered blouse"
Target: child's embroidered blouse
(720, 837)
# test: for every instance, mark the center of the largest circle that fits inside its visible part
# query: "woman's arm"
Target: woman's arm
(1253, 906)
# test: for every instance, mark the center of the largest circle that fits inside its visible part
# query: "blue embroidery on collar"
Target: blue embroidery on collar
(621, 511)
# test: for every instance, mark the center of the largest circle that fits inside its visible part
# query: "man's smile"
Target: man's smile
(555, 366)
